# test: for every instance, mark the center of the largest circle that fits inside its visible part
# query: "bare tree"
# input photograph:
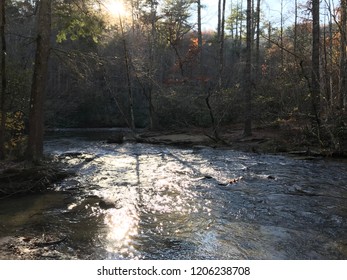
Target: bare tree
(328, 55)
(221, 45)
(219, 18)
(248, 74)
(152, 60)
(281, 35)
(128, 75)
(315, 94)
(200, 37)
(296, 26)
(257, 44)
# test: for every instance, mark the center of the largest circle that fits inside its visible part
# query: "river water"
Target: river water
(142, 201)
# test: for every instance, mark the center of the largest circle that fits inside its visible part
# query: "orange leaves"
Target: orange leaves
(194, 41)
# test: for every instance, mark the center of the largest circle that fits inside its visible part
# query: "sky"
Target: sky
(271, 8)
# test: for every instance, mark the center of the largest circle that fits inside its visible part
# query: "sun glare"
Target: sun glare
(116, 8)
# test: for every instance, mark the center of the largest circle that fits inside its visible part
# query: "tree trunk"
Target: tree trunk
(3, 80)
(296, 26)
(128, 78)
(253, 25)
(200, 39)
(248, 75)
(237, 25)
(281, 39)
(343, 55)
(269, 35)
(221, 46)
(331, 63)
(152, 60)
(219, 18)
(257, 44)
(241, 25)
(328, 62)
(36, 115)
(282, 105)
(315, 98)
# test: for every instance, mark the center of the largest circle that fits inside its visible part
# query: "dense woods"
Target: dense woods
(151, 64)
(173, 129)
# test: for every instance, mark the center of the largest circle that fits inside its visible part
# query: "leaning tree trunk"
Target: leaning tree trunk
(36, 115)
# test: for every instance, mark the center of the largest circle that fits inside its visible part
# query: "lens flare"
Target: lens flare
(116, 8)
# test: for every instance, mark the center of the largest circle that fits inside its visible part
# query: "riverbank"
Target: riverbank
(264, 140)
(18, 178)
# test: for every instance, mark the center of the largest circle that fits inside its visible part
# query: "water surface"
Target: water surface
(178, 203)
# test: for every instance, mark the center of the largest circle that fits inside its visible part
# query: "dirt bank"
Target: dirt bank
(263, 140)
(21, 178)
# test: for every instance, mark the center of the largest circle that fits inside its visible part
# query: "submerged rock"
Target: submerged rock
(117, 138)
(107, 204)
(70, 155)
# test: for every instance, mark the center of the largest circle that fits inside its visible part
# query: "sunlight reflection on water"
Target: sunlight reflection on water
(177, 203)
(122, 226)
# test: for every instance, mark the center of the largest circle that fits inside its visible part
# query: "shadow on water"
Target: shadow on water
(140, 201)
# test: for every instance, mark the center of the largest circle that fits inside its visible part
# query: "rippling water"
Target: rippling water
(171, 203)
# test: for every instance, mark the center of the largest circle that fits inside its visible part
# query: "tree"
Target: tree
(328, 49)
(127, 61)
(152, 60)
(281, 35)
(147, 67)
(343, 55)
(248, 74)
(175, 25)
(36, 115)
(78, 19)
(199, 7)
(295, 26)
(257, 44)
(219, 18)
(235, 23)
(315, 92)
(3, 80)
(221, 44)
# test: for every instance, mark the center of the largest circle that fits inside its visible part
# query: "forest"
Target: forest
(158, 129)
(151, 65)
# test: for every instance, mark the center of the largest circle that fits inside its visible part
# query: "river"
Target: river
(142, 201)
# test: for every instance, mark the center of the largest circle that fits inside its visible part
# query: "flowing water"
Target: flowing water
(141, 201)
